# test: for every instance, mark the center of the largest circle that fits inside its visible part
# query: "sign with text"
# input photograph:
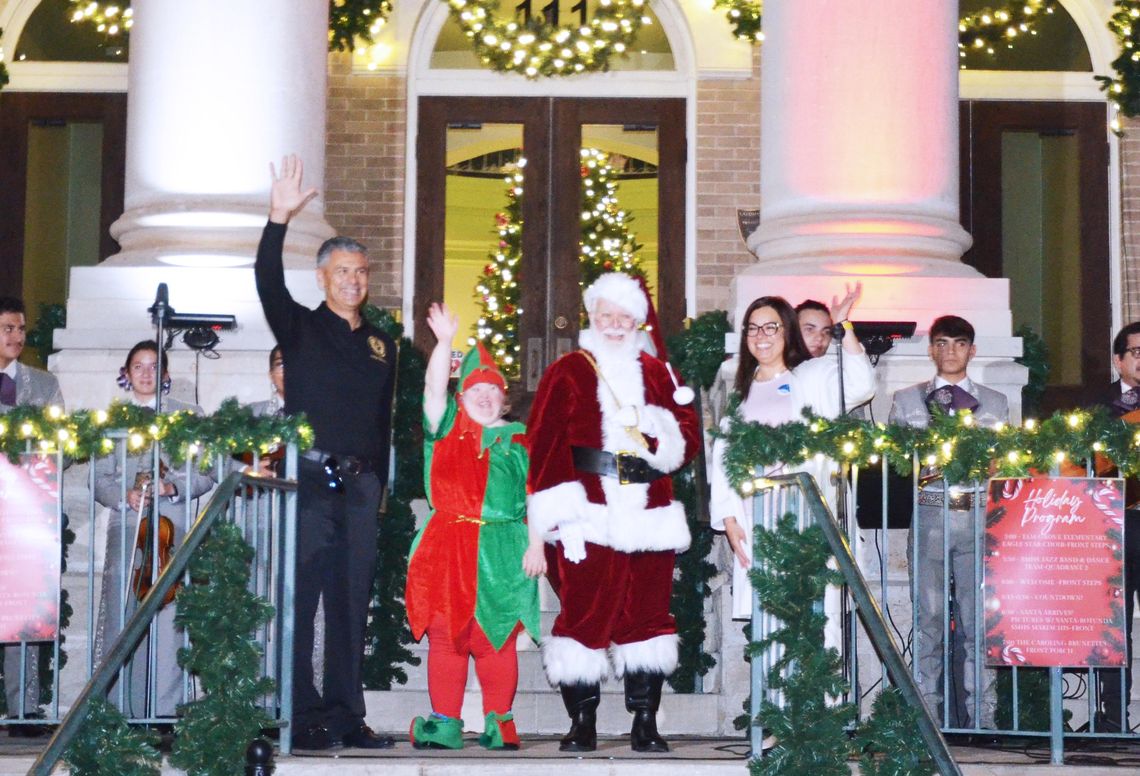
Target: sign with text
(1054, 572)
(29, 549)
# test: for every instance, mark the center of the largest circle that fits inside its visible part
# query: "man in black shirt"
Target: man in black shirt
(341, 374)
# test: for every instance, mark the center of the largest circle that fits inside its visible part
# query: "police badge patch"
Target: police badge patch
(379, 349)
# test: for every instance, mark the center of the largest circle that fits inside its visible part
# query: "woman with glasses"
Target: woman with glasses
(473, 566)
(142, 376)
(776, 379)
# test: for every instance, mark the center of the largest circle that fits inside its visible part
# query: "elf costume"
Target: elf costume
(466, 588)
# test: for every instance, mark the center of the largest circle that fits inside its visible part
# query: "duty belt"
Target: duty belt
(625, 466)
(959, 502)
(345, 464)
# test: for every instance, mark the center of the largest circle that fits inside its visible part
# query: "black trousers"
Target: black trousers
(336, 557)
(1109, 678)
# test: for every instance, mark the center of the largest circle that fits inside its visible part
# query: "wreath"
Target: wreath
(539, 45)
(349, 20)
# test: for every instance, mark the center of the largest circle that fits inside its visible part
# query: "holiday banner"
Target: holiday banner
(29, 549)
(1054, 572)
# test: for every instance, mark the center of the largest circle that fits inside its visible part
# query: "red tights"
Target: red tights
(498, 670)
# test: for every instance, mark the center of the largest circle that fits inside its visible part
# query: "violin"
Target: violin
(274, 459)
(142, 571)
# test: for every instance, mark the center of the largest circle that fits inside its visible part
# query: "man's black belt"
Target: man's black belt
(345, 464)
(625, 467)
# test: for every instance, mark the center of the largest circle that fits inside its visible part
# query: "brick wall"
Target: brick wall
(364, 170)
(728, 179)
(365, 176)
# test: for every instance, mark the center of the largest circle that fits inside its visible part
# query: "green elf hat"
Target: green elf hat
(478, 367)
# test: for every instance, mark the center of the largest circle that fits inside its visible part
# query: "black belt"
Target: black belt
(626, 467)
(345, 464)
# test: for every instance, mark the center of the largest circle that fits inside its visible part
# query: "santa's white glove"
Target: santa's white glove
(573, 542)
(646, 424)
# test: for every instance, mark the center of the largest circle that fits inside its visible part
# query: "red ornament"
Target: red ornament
(608, 264)
(509, 309)
(488, 270)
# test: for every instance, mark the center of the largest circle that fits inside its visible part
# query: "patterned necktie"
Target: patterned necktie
(1128, 401)
(7, 390)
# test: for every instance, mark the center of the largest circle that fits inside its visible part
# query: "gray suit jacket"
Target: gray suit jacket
(35, 387)
(908, 408)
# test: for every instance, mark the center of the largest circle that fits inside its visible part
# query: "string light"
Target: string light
(350, 21)
(538, 47)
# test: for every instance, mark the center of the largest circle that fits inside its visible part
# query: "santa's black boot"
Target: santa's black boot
(643, 698)
(582, 705)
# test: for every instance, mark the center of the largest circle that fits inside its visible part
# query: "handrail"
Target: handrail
(136, 626)
(873, 621)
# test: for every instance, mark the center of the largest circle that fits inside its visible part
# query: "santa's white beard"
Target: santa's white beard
(608, 351)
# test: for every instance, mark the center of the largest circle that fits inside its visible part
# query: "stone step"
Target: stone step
(542, 713)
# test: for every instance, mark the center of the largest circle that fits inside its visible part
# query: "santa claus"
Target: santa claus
(606, 430)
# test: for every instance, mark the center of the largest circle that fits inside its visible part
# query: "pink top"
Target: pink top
(770, 402)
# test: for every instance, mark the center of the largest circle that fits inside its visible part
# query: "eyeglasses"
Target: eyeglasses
(770, 329)
(332, 471)
(1134, 352)
(621, 320)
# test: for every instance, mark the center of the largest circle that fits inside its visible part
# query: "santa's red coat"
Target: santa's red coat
(572, 408)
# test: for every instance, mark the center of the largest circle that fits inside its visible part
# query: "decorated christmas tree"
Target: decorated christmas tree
(498, 289)
(606, 245)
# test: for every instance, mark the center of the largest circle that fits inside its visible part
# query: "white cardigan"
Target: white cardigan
(814, 384)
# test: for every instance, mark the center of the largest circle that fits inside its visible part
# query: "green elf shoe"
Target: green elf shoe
(436, 732)
(499, 732)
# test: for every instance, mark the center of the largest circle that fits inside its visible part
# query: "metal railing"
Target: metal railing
(870, 624)
(799, 495)
(265, 510)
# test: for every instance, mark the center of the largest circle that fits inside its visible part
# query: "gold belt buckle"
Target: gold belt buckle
(619, 457)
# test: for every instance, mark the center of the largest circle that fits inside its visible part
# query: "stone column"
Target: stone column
(859, 128)
(859, 178)
(217, 90)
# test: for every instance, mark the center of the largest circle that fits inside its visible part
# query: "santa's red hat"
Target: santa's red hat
(632, 295)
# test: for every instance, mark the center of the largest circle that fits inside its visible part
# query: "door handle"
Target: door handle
(534, 363)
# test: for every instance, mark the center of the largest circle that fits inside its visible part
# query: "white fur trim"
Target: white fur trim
(657, 655)
(670, 443)
(565, 502)
(620, 289)
(568, 661)
(627, 525)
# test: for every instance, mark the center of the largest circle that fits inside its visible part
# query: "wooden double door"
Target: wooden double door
(463, 147)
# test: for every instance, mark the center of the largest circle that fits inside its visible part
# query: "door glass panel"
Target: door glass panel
(1041, 246)
(62, 210)
(483, 235)
(619, 201)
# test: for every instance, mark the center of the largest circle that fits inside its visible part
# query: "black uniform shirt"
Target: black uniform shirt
(341, 378)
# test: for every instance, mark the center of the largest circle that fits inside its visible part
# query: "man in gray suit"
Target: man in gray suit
(945, 531)
(21, 385)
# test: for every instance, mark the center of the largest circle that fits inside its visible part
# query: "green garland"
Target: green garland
(107, 746)
(349, 20)
(963, 448)
(220, 615)
(40, 337)
(387, 635)
(811, 734)
(537, 47)
(1035, 358)
(86, 433)
(696, 353)
(890, 743)
(1123, 88)
(989, 28)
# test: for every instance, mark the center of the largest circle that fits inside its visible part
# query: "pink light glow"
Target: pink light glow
(877, 268)
(866, 119)
(871, 227)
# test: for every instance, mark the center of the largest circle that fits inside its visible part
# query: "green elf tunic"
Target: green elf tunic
(466, 561)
